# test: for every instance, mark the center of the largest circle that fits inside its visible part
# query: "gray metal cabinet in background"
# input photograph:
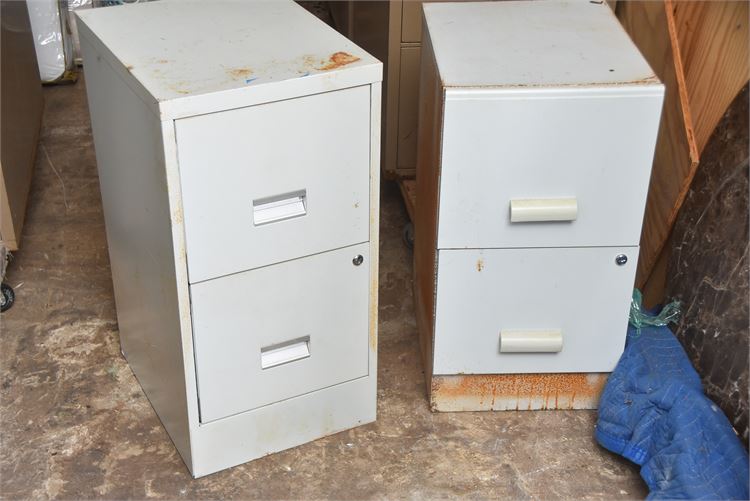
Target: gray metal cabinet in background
(239, 172)
(392, 31)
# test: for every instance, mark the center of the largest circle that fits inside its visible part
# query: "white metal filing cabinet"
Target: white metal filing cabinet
(537, 130)
(237, 145)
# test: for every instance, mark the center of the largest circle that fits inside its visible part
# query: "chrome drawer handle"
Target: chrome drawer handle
(531, 341)
(543, 209)
(280, 207)
(284, 353)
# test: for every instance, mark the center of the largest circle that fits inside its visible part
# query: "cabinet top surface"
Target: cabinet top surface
(544, 43)
(182, 48)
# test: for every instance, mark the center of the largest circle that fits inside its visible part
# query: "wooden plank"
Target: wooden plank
(651, 26)
(409, 193)
(7, 233)
(429, 146)
(653, 289)
(501, 392)
(713, 39)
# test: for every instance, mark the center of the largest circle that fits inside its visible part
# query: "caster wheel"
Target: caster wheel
(408, 235)
(7, 297)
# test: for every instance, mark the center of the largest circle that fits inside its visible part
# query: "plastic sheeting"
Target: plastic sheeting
(75, 5)
(653, 412)
(54, 48)
(640, 318)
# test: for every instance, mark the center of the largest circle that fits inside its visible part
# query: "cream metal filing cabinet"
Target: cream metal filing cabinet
(238, 154)
(538, 122)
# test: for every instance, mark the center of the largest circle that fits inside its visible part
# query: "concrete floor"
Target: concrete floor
(75, 423)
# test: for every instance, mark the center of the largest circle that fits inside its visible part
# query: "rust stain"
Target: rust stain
(480, 264)
(337, 60)
(177, 216)
(508, 391)
(162, 61)
(649, 79)
(652, 79)
(239, 72)
(373, 337)
(310, 61)
(178, 88)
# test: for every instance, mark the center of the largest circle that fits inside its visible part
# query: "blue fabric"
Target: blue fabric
(653, 412)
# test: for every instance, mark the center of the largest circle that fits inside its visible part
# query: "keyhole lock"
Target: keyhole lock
(621, 259)
(358, 260)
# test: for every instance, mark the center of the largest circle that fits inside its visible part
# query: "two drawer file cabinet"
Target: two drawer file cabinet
(537, 128)
(238, 153)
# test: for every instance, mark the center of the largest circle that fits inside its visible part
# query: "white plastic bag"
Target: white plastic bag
(52, 38)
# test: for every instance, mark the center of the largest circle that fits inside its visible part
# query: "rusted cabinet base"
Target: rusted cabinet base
(519, 392)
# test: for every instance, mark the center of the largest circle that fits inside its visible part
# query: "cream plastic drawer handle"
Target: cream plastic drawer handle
(543, 209)
(280, 207)
(284, 353)
(520, 341)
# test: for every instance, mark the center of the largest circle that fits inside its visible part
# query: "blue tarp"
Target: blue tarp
(653, 412)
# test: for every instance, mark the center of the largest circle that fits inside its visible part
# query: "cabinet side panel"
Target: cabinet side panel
(22, 106)
(375, 128)
(428, 181)
(132, 178)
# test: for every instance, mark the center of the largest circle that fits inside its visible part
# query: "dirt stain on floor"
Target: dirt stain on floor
(239, 72)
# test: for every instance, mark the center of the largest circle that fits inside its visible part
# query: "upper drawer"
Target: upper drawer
(576, 163)
(273, 182)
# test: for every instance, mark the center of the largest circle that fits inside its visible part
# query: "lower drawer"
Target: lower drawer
(503, 311)
(277, 332)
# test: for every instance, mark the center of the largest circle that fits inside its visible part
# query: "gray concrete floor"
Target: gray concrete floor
(75, 423)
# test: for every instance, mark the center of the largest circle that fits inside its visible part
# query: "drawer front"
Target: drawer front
(411, 21)
(504, 311)
(565, 170)
(274, 182)
(281, 331)
(408, 108)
